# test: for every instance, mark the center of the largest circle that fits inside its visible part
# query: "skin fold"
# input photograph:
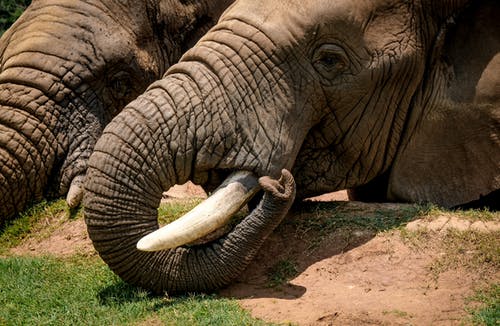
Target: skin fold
(395, 100)
(66, 69)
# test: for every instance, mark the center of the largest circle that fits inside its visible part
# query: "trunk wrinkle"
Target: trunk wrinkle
(27, 158)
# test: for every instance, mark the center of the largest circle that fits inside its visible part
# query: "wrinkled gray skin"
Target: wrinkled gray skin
(398, 100)
(67, 68)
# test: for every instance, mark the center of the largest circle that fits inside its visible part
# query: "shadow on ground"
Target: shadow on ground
(312, 232)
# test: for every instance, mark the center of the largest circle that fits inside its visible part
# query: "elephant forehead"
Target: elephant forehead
(280, 20)
(50, 22)
(97, 32)
(291, 20)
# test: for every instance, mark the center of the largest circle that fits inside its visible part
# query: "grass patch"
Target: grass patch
(77, 291)
(476, 251)
(484, 306)
(326, 219)
(170, 211)
(203, 310)
(281, 272)
(471, 215)
(330, 216)
(397, 313)
(40, 219)
(478, 214)
(419, 239)
(83, 291)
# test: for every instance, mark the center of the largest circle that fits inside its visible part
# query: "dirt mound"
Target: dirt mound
(381, 282)
(387, 269)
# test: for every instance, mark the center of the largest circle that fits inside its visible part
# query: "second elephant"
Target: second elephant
(66, 69)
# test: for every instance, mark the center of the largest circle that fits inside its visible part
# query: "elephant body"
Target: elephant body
(66, 69)
(396, 100)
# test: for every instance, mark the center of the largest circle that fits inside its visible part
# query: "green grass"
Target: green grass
(317, 221)
(281, 272)
(472, 215)
(40, 219)
(170, 211)
(83, 291)
(10, 10)
(476, 251)
(486, 310)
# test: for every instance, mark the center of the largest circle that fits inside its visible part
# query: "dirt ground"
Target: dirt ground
(340, 276)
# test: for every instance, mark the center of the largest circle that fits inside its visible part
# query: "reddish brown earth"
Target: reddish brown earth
(342, 275)
(69, 239)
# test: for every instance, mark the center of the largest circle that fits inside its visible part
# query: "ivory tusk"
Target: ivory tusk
(211, 214)
(75, 192)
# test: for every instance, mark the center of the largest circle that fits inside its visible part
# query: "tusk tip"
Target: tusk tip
(74, 197)
(210, 215)
(149, 243)
(145, 245)
(75, 192)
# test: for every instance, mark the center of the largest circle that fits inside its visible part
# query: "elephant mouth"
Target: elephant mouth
(207, 220)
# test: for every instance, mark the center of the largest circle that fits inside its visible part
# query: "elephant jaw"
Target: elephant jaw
(212, 214)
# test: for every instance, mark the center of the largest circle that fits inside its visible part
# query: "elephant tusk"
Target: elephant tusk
(211, 214)
(75, 193)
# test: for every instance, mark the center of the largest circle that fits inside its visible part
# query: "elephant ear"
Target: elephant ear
(450, 154)
(452, 159)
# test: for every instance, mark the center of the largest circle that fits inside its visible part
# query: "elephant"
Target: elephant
(66, 69)
(396, 100)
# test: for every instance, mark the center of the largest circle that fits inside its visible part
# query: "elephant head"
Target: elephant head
(66, 69)
(342, 93)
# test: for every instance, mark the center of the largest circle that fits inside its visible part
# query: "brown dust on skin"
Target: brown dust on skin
(360, 277)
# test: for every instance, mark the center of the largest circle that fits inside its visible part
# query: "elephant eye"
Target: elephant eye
(120, 85)
(330, 60)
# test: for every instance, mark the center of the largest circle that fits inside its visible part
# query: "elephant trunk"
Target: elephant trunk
(48, 114)
(45, 138)
(27, 152)
(142, 153)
